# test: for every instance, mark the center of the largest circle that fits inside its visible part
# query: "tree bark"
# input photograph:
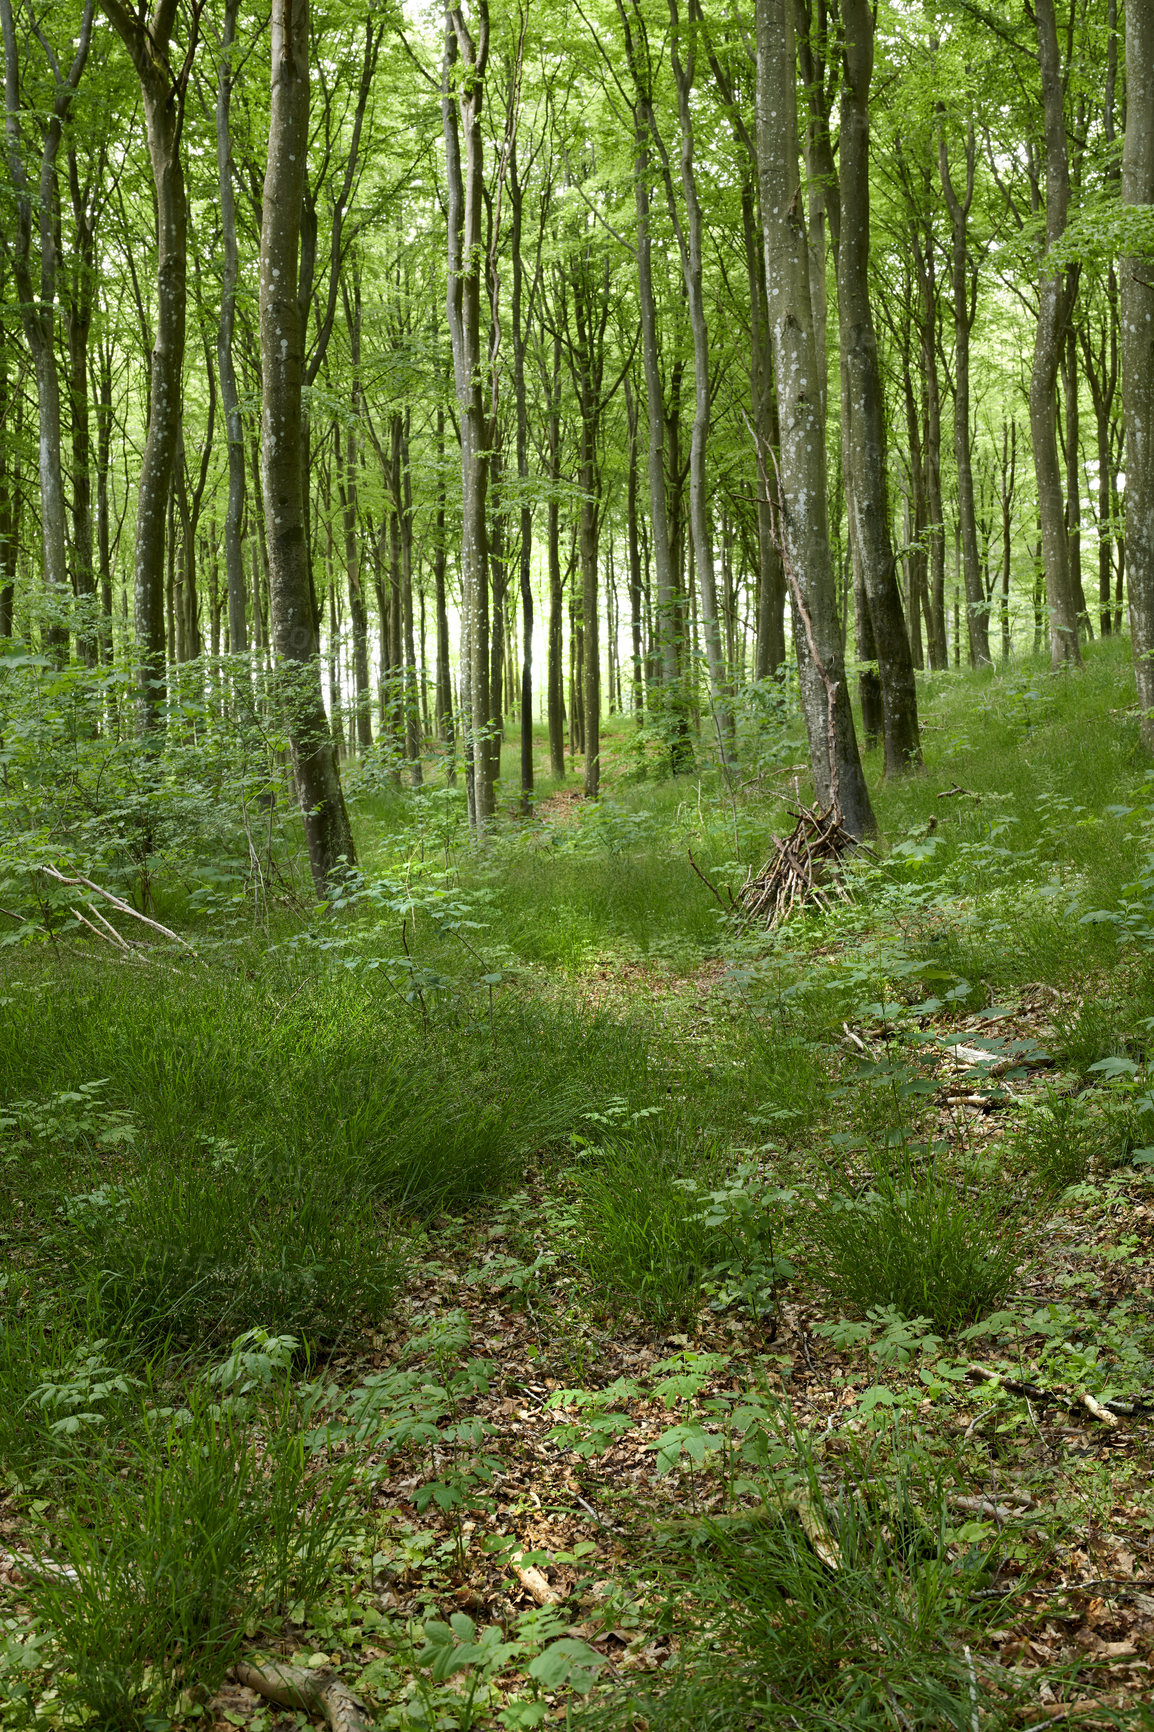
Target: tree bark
(229, 395)
(326, 823)
(834, 758)
(38, 304)
(1054, 298)
(866, 492)
(163, 89)
(977, 603)
(690, 244)
(525, 540)
(556, 670)
(769, 655)
(637, 53)
(462, 96)
(1136, 307)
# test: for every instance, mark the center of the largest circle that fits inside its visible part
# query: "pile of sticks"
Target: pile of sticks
(803, 869)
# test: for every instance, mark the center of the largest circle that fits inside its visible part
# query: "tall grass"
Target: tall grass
(921, 1240)
(173, 1540)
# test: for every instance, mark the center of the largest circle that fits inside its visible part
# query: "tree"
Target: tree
(462, 99)
(38, 305)
(1136, 301)
(977, 605)
(833, 752)
(866, 489)
(327, 831)
(164, 88)
(1056, 289)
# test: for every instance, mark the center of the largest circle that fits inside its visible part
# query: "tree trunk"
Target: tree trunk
(631, 530)
(834, 759)
(866, 493)
(147, 41)
(444, 701)
(10, 438)
(770, 651)
(699, 516)
(1072, 430)
(681, 753)
(462, 96)
(412, 696)
(977, 603)
(1136, 306)
(326, 823)
(525, 540)
(229, 395)
(346, 458)
(1054, 297)
(78, 325)
(38, 305)
(556, 668)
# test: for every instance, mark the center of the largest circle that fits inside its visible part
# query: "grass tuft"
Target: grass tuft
(921, 1242)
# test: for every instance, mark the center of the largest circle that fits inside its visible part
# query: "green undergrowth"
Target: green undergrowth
(771, 1299)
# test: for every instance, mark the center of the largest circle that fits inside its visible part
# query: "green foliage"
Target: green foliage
(1064, 1136)
(920, 1240)
(78, 793)
(173, 1539)
(643, 1240)
(781, 1638)
(209, 1245)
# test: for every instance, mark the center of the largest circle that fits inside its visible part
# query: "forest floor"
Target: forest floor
(603, 1315)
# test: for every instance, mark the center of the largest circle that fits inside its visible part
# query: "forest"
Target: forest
(576, 865)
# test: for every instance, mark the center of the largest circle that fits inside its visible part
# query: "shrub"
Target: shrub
(921, 1242)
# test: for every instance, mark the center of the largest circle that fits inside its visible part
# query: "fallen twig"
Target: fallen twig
(298, 1687)
(116, 902)
(1106, 1411)
(532, 1580)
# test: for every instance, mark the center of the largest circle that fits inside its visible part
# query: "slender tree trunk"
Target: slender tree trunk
(866, 492)
(412, 696)
(347, 460)
(10, 432)
(834, 759)
(229, 395)
(148, 44)
(38, 304)
(525, 539)
(444, 702)
(1054, 297)
(78, 326)
(556, 668)
(631, 530)
(1136, 307)
(699, 515)
(977, 603)
(667, 622)
(1072, 429)
(770, 652)
(103, 395)
(326, 824)
(462, 95)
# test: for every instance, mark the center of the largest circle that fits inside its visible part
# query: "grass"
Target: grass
(921, 1240)
(874, 1637)
(553, 1043)
(174, 1540)
(643, 1244)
